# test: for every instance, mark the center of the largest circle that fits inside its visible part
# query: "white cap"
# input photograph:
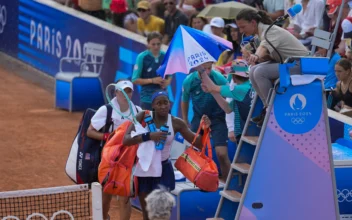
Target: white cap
(217, 22)
(123, 85)
(346, 24)
(233, 25)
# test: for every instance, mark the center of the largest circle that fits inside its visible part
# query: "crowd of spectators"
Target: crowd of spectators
(165, 16)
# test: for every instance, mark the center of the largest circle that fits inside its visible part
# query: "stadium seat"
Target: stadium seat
(79, 86)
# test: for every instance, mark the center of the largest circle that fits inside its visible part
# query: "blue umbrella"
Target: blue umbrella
(190, 48)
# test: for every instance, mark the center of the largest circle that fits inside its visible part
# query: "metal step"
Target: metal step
(231, 195)
(253, 140)
(215, 219)
(241, 167)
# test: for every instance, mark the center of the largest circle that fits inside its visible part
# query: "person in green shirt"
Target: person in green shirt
(144, 73)
(205, 104)
(242, 94)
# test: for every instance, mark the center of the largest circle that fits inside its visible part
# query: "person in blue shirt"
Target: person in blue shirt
(205, 104)
(144, 73)
(242, 95)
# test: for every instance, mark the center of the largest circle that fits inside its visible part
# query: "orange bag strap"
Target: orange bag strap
(205, 140)
(208, 145)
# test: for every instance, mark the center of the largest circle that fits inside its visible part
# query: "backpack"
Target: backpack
(85, 155)
(117, 164)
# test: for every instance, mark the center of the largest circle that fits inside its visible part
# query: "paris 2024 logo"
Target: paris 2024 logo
(298, 111)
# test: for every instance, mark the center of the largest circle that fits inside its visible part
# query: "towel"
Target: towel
(297, 80)
(149, 159)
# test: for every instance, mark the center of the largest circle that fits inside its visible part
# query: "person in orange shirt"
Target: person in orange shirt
(147, 22)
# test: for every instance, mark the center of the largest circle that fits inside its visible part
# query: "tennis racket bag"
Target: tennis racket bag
(85, 155)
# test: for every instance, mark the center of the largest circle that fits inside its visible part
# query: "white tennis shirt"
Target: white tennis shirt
(99, 118)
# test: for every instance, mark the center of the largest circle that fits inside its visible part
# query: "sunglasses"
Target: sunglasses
(168, 3)
(141, 10)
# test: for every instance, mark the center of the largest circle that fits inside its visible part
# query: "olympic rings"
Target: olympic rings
(42, 216)
(344, 195)
(298, 121)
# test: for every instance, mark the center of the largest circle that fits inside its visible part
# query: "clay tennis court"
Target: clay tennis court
(35, 138)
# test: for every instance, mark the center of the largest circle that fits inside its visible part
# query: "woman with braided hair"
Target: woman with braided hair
(150, 180)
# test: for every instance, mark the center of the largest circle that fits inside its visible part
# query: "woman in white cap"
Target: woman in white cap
(120, 103)
(241, 94)
(216, 27)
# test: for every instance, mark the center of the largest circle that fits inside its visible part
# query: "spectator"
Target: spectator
(123, 18)
(230, 55)
(241, 95)
(197, 22)
(216, 27)
(306, 21)
(147, 22)
(131, 4)
(205, 104)
(288, 23)
(174, 19)
(144, 73)
(157, 8)
(190, 7)
(92, 7)
(130, 21)
(332, 11)
(343, 90)
(274, 8)
(254, 3)
(347, 29)
(159, 204)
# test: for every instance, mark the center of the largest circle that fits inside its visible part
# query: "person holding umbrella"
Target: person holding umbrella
(205, 104)
(241, 94)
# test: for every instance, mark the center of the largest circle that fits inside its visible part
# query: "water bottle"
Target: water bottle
(149, 121)
(160, 145)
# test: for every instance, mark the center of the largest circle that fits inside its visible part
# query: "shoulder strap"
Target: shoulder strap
(136, 109)
(108, 120)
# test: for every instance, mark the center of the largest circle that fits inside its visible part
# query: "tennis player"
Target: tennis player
(120, 103)
(161, 116)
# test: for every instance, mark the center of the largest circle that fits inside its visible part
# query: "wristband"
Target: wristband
(106, 136)
(146, 137)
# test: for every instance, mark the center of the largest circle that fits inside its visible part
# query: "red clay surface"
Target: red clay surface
(35, 138)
